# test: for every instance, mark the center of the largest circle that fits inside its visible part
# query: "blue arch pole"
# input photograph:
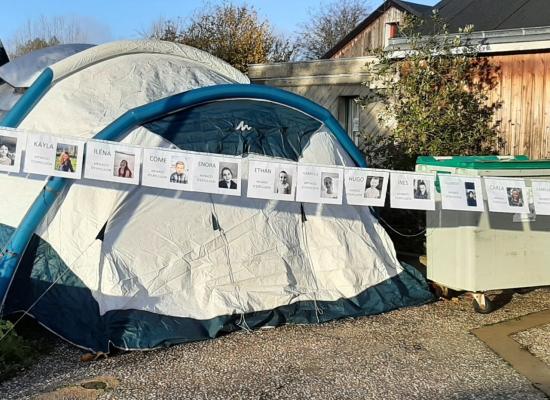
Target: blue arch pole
(26, 103)
(140, 115)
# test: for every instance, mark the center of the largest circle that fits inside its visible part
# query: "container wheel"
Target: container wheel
(440, 291)
(482, 304)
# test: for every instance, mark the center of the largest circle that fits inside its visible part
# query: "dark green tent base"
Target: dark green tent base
(69, 310)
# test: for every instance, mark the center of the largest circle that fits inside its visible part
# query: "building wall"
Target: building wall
(330, 83)
(524, 91)
(372, 37)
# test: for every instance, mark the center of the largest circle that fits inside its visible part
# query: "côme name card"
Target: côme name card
(167, 169)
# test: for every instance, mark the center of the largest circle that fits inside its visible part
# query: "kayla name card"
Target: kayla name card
(54, 156)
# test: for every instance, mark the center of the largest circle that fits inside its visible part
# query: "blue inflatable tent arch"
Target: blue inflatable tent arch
(117, 129)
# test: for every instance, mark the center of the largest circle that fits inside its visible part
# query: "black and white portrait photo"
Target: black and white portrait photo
(420, 187)
(373, 187)
(283, 182)
(329, 185)
(471, 199)
(8, 147)
(228, 175)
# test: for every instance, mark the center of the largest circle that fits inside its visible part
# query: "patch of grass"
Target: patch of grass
(18, 352)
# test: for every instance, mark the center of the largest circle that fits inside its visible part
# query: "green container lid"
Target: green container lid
(484, 162)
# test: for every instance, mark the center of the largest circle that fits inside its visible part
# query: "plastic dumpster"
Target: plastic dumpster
(480, 251)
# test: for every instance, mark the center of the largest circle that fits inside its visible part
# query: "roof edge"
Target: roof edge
(402, 5)
(493, 41)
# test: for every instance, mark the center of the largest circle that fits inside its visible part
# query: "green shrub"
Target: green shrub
(435, 95)
(15, 352)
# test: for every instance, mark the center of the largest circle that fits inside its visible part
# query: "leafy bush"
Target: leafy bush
(15, 352)
(435, 95)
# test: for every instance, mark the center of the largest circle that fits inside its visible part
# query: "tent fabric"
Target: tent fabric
(20, 73)
(78, 319)
(124, 48)
(271, 129)
(139, 267)
(23, 71)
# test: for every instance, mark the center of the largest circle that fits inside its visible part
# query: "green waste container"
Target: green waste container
(480, 251)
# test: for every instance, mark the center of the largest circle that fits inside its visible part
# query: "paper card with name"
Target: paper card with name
(167, 169)
(508, 195)
(217, 174)
(541, 196)
(54, 155)
(366, 187)
(412, 190)
(319, 184)
(271, 180)
(11, 145)
(113, 162)
(461, 193)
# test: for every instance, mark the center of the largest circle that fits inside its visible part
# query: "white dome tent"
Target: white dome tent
(139, 268)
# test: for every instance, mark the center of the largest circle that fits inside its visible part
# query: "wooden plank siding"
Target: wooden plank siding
(372, 37)
(524, 92)
(523, 89)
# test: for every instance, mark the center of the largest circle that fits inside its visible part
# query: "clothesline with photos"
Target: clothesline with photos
(53, 155)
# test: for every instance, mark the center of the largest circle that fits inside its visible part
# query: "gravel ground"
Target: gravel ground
(423, 352)
(536, 341)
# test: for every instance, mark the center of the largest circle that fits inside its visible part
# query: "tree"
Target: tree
(436, 96)
(327, 25)
(50, 31)
(233, 33)
(35, 44)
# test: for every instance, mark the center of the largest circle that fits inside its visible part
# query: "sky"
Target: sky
(127, 19)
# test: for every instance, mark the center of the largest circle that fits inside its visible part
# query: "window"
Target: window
(391, 31)
(349, 116)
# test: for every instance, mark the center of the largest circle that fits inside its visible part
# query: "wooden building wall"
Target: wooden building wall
(372, 37)
(524, 91)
